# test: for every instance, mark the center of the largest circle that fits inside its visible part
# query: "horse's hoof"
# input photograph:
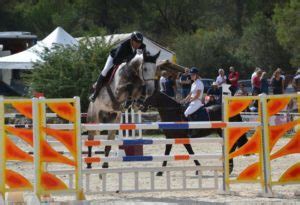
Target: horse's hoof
(197, 173)
(159, 174)
(105, 165)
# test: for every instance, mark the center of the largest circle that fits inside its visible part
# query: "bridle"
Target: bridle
(143, 76)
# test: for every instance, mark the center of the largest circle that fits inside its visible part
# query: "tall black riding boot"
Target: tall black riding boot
(99, 85)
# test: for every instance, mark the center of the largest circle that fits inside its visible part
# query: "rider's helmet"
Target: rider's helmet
(137, 36)
(194, 70)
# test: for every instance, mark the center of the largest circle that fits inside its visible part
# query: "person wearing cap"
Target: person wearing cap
(215, 91)
(123, 53)
(195, 96)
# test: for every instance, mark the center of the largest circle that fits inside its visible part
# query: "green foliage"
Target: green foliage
(207, 34)
(69, 71)
(259, 47)
(208, 50)
(287, 20)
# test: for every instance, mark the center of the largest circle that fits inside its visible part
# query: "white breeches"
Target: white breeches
(109, 63)
(193, 106)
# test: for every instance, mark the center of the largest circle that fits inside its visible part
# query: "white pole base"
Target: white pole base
(15, 198)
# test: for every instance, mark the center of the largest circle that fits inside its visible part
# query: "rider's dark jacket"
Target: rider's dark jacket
(124, 52)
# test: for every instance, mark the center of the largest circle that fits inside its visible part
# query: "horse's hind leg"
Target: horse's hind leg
(190, 150)
(167, 153)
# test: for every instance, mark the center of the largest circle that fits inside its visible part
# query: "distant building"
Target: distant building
(12, 42)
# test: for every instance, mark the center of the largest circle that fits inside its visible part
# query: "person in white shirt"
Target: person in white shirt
(221, 79)
(254, 75)
(195, 96)
(162, 81)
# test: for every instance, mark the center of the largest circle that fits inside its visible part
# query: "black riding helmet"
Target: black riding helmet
(137, 36)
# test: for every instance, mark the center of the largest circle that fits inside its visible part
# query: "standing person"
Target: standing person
(221, 79)
(277, 83)
(254, 75)
(195, 96)
(296, 81)
(162, 81)
(123, 53)
(170, 86)
(185, 82)
(257, 83)
(264, 83)
(233, 78)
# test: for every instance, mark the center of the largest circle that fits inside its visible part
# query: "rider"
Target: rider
(123, 53)
(196, 93)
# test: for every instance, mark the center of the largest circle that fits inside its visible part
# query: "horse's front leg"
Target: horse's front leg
(91, 135)
(190, 150)
(167, 153)
(111, 136)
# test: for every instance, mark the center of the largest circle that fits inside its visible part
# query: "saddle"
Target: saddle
(202, 114)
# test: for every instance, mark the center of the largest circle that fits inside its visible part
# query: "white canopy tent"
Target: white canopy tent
(152, 46)
(25, 59)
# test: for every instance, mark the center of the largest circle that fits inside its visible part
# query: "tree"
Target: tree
(208, 50)
(69, 71)
(259, 47)
(287, 20)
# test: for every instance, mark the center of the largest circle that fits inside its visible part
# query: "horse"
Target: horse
(128, 81)
(172, 111)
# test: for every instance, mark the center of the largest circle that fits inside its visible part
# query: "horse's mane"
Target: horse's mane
(136, 61)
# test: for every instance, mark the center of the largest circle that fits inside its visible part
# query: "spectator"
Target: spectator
(257, 83)
(281, 75)
(264, 83)
(296, 81)
(162, 81)
(254, 75)
(221, 79)
(170, 86)
(215, 91)
(277, 82)
(185, 82)
(241, 91)
(253, 107)
(233, 79)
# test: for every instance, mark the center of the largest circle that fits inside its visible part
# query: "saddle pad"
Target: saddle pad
(110, 75)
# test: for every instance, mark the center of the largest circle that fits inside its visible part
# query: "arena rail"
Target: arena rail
(264, 133)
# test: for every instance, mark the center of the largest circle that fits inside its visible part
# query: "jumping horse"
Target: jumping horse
(127, 82)
(172, 111)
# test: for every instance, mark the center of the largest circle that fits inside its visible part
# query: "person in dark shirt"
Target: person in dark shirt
(264, 83)
(123, 53)
(277, 83)
(215, 91)
(170, 86)
(185, 82)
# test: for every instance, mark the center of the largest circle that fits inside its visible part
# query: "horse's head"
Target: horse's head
(148, 72)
